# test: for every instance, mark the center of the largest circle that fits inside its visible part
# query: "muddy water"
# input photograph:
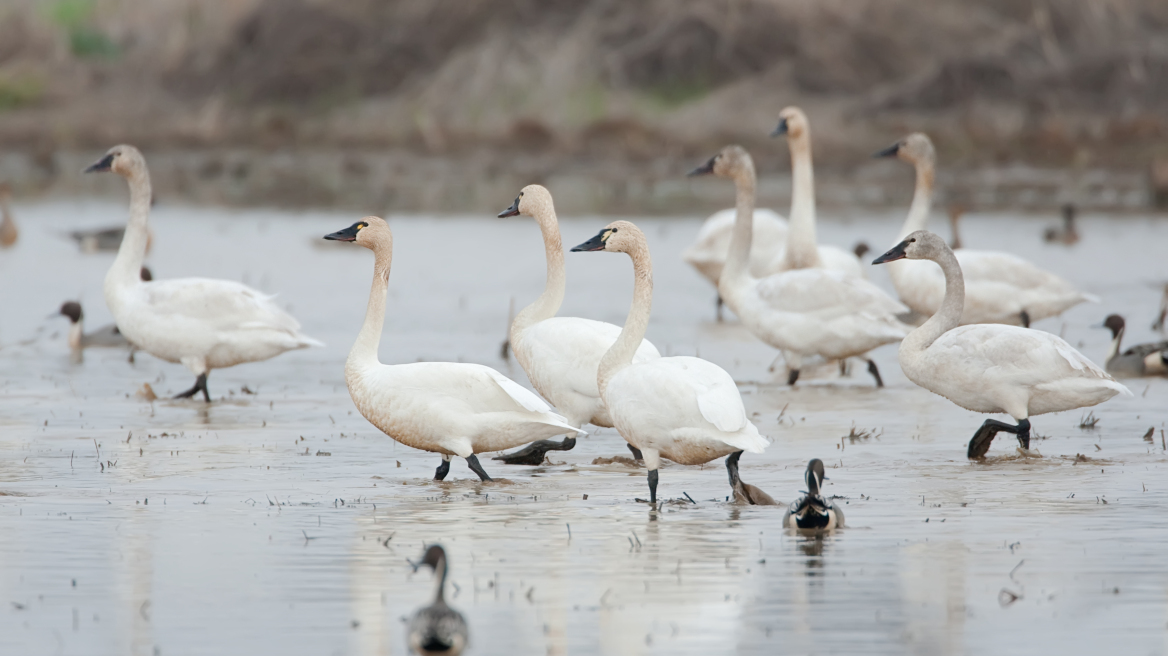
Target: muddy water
(276, 520)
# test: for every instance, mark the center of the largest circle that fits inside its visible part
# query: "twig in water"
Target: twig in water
(687, 496)
(1089, 421)
(569, 530)
(1148, 435)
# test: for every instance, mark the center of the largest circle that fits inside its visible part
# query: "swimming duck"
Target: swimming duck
(813, 511)
(437, 629)
(1141, 360)
(1067, 235)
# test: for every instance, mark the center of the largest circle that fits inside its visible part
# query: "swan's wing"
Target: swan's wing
(218, 304)
(1025, 356)
(518, 393)
(826, 294)
(566, 351)
(718, 398)
(996, 266)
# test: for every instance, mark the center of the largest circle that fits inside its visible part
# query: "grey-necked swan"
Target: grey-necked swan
(992, 368)
(802, 312)
(451, 408)
(560, 354)
(202, 323)
(682, 408)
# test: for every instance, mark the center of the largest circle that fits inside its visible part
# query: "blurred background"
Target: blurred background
(453, 105)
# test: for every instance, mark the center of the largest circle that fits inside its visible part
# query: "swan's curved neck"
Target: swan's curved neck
(127, 268)
(949, 316)
(922, 202)
(738, 260)
(364, 351)
(620, 354)
(802, 247)
(548, 303)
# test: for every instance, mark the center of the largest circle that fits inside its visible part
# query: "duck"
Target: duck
(992, 368)
(707, 253)
(202, 323)
(682, 408)
(802, 250)
(1141, 360)
(560, 354)
(999, 287)
(813, 512)
(1067, 234)
(107, 336)
(8, 231)
(802, 312)
(450, 408)
(437, 629)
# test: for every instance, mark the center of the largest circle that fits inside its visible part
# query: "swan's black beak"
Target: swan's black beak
(890, 151)
(511, 211)
(594, 244)
(897, 253)
(100, 165)
(780, 129)
(348, 234)
(704, 169)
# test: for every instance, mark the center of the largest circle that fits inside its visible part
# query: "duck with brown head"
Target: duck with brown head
(1141, 360)
(437, 629)
(813, 511)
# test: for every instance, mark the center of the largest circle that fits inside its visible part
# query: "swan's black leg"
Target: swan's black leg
(533, 453)
(985, 436)
(653, 486)
(1025, 317)
(875, 373)
(636, 452)
(473, 461)
(200, 386)
(718, 308)
(792, 376)
(443, 470)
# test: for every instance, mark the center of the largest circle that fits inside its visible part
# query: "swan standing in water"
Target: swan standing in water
(202, 323)
(992, 368)
(1140, 360)
(708, 252)
(455, 409)
(560, 354)
(999, 287)
(437, 628)
(682, 408)
(8, 231)
(814, 511)
(803, 312)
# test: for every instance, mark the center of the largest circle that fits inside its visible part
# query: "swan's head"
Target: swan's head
(434, 557)
(792, 122)
(919, 245)
(370, 232)
(617, 237)
(1115, 324)
(123, 159)
(533, 200)
(916, 148)
(72, 309)
(814, 476)
(726, 164)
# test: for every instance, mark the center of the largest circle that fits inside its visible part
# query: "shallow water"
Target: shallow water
(280, 521)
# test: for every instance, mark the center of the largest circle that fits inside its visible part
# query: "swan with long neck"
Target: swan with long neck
(802, 312)
(1141, 360)
(201, 323)
(450, 408)
(992, 368)
(999, 287)
(437, 628)
(682, 408)
(707, 254)
(802, 249)
(560, 354)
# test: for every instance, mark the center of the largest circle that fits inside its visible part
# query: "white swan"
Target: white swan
(708, 251)
(8, 231)
(682, 408)
(560, 354)
(802, 312)
(451, 408)
(802, 251)
(992, 368)
(202, 323)
(999, 287)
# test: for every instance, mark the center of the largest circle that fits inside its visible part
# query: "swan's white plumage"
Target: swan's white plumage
(710, 248)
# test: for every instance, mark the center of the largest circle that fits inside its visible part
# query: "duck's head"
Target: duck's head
(71, 309)
(616, 237)
(915, 148)
(145, 274)
(814, 476)
(792, 122)
(123, 159)
(1114, 323)
(533, 200)
(434, 558)
(728, 163)
(919, 245)
(371, 232)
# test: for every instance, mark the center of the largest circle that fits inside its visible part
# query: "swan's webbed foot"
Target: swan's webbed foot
(473, 462)
(200, 386)
(718, 308)
(980, 444)
(653, 486)
(443, 470)
(1024, 317)
(636, 452)
(533, 454)
(875, 373)
(792, 376)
